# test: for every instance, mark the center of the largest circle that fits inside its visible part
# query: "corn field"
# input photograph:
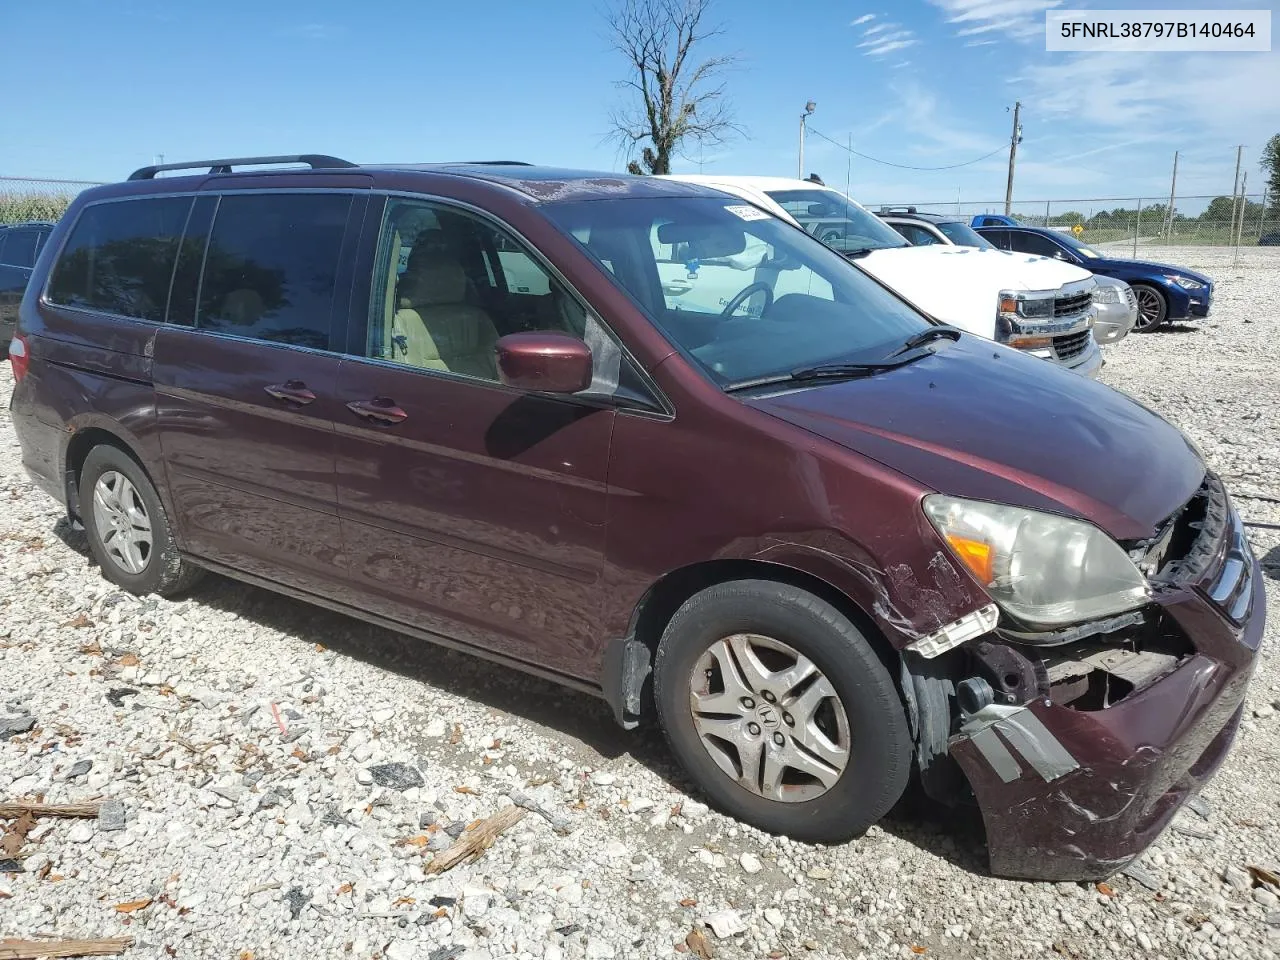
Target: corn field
(22, 199)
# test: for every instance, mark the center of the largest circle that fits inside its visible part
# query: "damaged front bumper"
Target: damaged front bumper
(1077, 781)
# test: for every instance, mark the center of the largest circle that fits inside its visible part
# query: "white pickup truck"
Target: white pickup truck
(1037, 305)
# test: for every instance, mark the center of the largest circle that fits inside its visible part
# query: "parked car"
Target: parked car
(927, 229)
(19, 245)
(1035, 307)
(1164, 293)
(993, 220)
(1269, 240)
(826, 538)
(1116, 307)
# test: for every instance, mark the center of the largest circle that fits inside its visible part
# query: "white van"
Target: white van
(1040, 306)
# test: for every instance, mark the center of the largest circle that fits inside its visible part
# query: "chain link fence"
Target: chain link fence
(24, 198)
(1127, 224)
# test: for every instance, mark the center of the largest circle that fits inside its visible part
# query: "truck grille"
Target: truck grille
(1071, 345)
(1204, 545)
(1072, 304)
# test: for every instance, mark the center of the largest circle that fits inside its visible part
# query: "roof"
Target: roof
(549, 184)
(758, 183)
(927, 217)
(28, 223)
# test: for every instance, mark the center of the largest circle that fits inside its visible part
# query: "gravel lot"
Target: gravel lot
(247, 738)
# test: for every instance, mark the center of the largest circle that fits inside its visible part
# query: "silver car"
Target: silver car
(1116, 308)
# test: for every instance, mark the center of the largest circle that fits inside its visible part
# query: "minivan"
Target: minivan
(829, 544)
(19, 245)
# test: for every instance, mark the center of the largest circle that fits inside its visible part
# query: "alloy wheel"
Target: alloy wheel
(120, 517)
(769, 718)
(1150, 308)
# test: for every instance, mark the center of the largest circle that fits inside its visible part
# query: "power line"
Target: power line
(903, 166)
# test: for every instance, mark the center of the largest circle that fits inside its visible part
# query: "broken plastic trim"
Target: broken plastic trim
(1021, 730)
(982, 620)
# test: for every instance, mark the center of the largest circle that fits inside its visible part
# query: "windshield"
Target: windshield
(837, 221)
(1082, 248)
(963, 235)
(742, 293)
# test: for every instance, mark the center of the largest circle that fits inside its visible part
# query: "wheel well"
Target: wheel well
(665, 597)
(78, 451)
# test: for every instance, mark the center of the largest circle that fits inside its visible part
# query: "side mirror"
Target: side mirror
(546, 362)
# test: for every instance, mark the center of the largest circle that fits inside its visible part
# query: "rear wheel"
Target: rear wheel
(128, 531)
(778, 707)
(1152, 308)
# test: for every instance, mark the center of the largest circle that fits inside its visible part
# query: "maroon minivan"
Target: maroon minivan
(829, 543)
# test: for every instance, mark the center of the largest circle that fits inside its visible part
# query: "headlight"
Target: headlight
(1186, 283)
(1103, 294)
(1039, 308)
(1014, 308)
(1045, 570)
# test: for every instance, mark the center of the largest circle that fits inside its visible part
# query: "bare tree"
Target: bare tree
(677, 100)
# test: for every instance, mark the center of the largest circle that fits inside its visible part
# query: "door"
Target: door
(245, 375)
(1038, 245)
(17, 257)
(1000, 238)
(471, 509)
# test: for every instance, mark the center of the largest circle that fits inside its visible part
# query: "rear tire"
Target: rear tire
(1153, 308)
(819, 698)
(128, 530)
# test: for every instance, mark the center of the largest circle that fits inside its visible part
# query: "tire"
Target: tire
(875, 738)
(1153, 308)
(115, 524)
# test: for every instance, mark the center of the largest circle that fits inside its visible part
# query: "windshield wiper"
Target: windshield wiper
(828, 371)
(928, 336)
(858, 252)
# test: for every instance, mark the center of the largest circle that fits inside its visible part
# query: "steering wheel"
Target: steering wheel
(830, 233)
(744, 294)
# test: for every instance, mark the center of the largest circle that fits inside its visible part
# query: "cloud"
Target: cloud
(886, 38)
(878, 28)
(865, 18)
(1021, 19)
(888, 46)
(313, 31)
(980, 43)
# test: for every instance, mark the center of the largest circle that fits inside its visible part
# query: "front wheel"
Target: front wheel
(779, 709)
(1153, 309)
(129, 533)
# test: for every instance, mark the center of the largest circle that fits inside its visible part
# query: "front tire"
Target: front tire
(1153, 308)
(128, 530)
(779, 709)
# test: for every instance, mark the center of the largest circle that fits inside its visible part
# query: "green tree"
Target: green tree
(673, 98)
(1271, 167)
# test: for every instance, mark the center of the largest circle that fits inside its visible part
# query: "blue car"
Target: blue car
(1164, 293)
(993, 220)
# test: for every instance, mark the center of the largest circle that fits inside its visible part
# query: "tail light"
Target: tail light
(19, 359)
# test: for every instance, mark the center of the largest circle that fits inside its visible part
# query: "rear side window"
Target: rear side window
(271, 267)
(20, 248)
(119, 257)
(1033, 243)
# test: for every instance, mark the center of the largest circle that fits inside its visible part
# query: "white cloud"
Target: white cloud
(865, 18)
(1017, 18)
(871, 31)
(886, 38)
(980, 43)
(888, 46)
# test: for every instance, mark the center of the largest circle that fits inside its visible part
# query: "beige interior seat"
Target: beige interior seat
(434, 327)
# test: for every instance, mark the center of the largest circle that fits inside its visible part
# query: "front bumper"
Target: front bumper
(1114, 321)
(1089, 363)
(1075, 794)
(1199, 303)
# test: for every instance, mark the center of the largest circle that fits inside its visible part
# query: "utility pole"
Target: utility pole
(1235, 190)
(1013, 156)
(1173, 189)
(1244, 205)
(804, 117)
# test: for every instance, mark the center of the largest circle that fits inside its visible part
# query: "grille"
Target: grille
(1069, 306)
(1204, 545)
(1072, 345)
(1129, 298)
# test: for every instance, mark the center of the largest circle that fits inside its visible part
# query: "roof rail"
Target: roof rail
(499, 163)
(317, 161)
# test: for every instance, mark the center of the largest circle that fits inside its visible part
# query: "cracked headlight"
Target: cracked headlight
(1045, 570)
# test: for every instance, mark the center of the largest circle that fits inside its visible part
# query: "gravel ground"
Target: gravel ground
(249, 742)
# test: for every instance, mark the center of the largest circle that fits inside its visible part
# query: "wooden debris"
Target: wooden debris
(9, 811)
(470, 845)
(37, 949)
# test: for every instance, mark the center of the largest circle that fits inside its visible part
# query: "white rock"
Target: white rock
(725, 923)
(773, 916)
(638, 804)
(602, 778)
(436, 728)
(81, 833)
(383, 715)
(750, 863)
(693, 809)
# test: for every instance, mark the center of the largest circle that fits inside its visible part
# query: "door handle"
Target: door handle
(381, 409)
(291, 391)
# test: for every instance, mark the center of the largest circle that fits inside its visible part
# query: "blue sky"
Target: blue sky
(917, 82)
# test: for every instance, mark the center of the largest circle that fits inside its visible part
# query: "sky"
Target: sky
(919, 83)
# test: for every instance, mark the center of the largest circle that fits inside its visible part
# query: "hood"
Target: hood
(1122, 266)
(982, 421)
(961, 285)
